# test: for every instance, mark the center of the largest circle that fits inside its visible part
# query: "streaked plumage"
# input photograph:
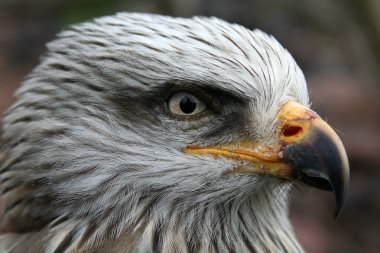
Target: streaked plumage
(92, 161)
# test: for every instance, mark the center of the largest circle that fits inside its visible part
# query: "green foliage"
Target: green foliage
(87, 9)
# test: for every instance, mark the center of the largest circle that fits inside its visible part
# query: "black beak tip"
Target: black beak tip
(321, 163)
(323, 182)
(340, 197)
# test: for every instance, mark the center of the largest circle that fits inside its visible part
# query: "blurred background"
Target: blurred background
(335, 42)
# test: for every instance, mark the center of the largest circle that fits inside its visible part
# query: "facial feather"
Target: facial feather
(90, 142)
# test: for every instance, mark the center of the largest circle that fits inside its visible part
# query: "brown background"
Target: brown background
(336, 43)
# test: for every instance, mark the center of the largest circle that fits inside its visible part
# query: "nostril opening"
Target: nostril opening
(292, 130)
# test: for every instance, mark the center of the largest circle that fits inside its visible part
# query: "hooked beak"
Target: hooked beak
(308, 150)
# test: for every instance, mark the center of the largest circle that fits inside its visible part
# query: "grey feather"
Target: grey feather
(92, 162)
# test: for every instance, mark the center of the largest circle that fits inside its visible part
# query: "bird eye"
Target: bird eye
(183, 103)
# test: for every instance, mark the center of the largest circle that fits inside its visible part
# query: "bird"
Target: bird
(144, 133)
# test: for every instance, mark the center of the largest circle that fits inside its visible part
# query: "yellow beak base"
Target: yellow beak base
(308, 150)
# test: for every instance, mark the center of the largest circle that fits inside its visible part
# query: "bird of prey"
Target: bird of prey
(144, 133)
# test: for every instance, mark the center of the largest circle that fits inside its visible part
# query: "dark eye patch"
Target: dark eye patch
(149, 103)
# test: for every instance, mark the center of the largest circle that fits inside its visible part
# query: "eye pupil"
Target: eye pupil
(188, 104)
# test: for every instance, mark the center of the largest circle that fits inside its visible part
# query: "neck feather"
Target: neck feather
(253, 225)
(258, 223)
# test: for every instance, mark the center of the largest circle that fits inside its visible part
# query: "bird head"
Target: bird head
(136, 115)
